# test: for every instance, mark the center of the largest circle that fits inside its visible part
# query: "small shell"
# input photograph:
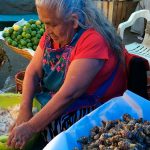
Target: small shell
(127, 117)
(83, 140)
(75, 148)
(129, 134)
(96, 136)
(147, 129)
(102, 147)
(126, 134)
(125, 144)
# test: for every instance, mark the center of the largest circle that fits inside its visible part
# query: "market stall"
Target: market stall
(23, 38)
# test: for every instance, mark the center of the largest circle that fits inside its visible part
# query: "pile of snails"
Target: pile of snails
(125, 134)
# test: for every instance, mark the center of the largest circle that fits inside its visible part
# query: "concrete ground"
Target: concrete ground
(17, 62)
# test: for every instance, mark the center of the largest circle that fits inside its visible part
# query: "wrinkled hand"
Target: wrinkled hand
(20, 135)
(24, 115)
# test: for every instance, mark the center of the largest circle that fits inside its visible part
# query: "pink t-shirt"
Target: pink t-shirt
(92, 45)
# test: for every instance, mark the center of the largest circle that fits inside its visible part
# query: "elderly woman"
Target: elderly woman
(79, 63)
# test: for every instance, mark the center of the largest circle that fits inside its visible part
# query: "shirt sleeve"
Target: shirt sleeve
(91, 45)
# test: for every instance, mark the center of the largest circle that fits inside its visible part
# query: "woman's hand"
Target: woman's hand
(20, 135)
(24, 116)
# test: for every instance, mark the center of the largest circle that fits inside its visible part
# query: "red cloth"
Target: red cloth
(42, 41)
(92, 45)
(129, 56)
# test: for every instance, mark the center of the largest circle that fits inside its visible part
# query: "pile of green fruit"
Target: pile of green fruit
(25, 36)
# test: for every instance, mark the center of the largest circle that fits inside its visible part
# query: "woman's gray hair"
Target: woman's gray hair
(89, 17)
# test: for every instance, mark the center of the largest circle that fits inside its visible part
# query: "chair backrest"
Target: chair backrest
(134, 16)
(146, 40)
(137, 76)
(142, 49)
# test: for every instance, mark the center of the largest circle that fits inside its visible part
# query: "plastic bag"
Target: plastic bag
(9, 85)
(129, 103)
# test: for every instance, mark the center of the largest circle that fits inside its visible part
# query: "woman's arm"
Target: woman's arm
(80, 74)
(32, 75)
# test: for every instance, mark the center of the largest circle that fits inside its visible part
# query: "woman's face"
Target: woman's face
(61, 32)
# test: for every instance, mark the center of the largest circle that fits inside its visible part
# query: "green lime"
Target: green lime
(16, 40)
(29, 45)
(33, 33)
(14, 43)
(9, 41)
(34, 47)
(43, 26)
(25, 28)
(20, 30)
(6, 30)
(28, 40)
(39, 26)
(10, 30)
(13, 36)
(6, 34)
(19, 37)
(36, 41)
(3, 138)
(28, 31)
(15, 33)
(31, 21)
(28, 36)
(23, 42)
(38, 36)
(24, 47)
(38, 22)
(7, 38)
(20, 46)
(23, 34)
(33, 26)
(28, 25)
(41, 31)
(16, 27)
(32, 39)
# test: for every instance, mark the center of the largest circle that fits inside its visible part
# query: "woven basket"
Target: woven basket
(19, 81)
(22, 52)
